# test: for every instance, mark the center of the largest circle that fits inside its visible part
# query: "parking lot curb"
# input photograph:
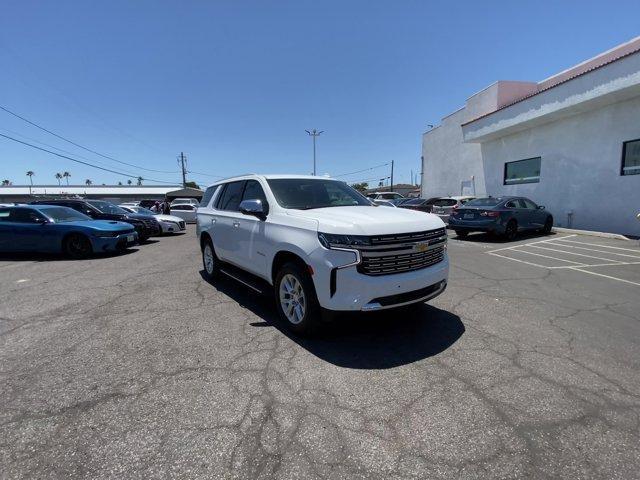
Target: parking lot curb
(615, 236)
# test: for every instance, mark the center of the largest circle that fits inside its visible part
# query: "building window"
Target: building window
(631, 158)
(522, 171)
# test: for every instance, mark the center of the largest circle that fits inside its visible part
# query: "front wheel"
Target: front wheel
(548, 225)
(296, 299)
(77, 246)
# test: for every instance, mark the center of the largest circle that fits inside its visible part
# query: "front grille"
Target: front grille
(391, 254)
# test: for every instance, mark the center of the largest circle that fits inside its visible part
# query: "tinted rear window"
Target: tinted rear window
(445, 202)
(485, 202)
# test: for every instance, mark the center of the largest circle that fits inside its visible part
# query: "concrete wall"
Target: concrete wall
(580, 167)
(448, 162)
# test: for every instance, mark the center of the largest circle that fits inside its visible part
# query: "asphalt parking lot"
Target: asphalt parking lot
(133, 366)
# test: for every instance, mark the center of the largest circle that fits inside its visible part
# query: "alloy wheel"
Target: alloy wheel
(292, 299)
(209, 260)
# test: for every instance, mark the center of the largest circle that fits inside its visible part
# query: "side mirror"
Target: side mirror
(540, 207)
(255, 208)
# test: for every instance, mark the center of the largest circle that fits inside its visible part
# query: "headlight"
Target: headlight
(330, 240)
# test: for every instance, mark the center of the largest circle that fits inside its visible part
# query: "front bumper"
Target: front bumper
(172, 227)
(350, 290)
(114, 244)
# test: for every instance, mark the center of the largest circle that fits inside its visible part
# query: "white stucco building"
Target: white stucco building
(570, 142)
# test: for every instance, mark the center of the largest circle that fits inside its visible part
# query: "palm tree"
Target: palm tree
(6, 182)
(140, 180)
(66, 175)
(58, 177)
(30, 174)
(129, 182)
(88, 182)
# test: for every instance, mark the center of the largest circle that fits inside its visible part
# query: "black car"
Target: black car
(420, 204)
(501, 215)
(146, 225)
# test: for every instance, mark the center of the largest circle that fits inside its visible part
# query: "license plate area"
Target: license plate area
(468, 216)
(130, 238)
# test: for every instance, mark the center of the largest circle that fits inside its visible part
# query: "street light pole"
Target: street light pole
(314, 133)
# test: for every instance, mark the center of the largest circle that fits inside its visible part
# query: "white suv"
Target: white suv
(318, 244)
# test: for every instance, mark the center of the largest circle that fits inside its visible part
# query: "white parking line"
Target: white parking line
(575, 266)
(578, 254)
(593, 250)
(594, 244)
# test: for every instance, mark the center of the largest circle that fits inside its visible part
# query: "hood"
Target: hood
(365, 220)
(109, 225)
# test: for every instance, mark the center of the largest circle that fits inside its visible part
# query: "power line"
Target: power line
(81, 146)
(80, 161)
(360, 171)
(205, 174)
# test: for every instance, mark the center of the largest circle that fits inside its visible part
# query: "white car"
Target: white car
(185, 201)
(384, 196)
(186, 211)
(445, 205)
(319, 245)
(168, 223)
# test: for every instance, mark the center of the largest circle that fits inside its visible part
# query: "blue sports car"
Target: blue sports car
(55, 229)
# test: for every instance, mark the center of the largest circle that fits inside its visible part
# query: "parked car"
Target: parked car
(145, 225)
(319, 245)
(443, 206)
(185, 211)
(500, 215)
(168, 223)
(399, 201)
(384, 203)
(420, 204)
(185, 201)
(55, 229)
(384, 196)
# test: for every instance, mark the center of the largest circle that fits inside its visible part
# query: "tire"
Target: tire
(511, 231)
(461, 233)
(303, 314)
(77, 246)
(210, 261)
(548, 225)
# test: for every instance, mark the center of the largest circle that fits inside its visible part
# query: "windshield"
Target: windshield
(415, 201)
(308, 193)
(140, 210)
(484, 202)
(64, 214)
(106, 207)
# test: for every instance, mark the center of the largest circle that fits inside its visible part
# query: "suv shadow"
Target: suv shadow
(375, 340)
(493, 238)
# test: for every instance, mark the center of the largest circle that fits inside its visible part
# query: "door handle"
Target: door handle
(213, 220)
(236, 224)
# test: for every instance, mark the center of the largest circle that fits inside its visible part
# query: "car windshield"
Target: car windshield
(64, 214)
(106, 207)
(484, 202)
(415, 201)
(141, 210)
(308, 193)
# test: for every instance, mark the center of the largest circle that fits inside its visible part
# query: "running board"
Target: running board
(243, 277)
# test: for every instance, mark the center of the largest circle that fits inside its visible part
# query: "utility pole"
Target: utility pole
(314, 133)
(182, 159)
(391, 189)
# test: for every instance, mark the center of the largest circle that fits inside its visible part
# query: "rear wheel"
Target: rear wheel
(511, 231)
(548, 225)
(210, 260)
(296, 299)
(77, 246)
(461, 233)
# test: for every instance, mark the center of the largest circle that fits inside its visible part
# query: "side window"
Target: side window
(206, 198)
(24, 215)
(529, 204)
(511, 204)
(220, 196)
(253, 191)
(520, 203)
(231, 197)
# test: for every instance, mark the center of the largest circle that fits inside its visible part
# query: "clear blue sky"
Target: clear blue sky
(234, 84)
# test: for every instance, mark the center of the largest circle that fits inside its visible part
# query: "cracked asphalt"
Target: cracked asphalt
(134, 367)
